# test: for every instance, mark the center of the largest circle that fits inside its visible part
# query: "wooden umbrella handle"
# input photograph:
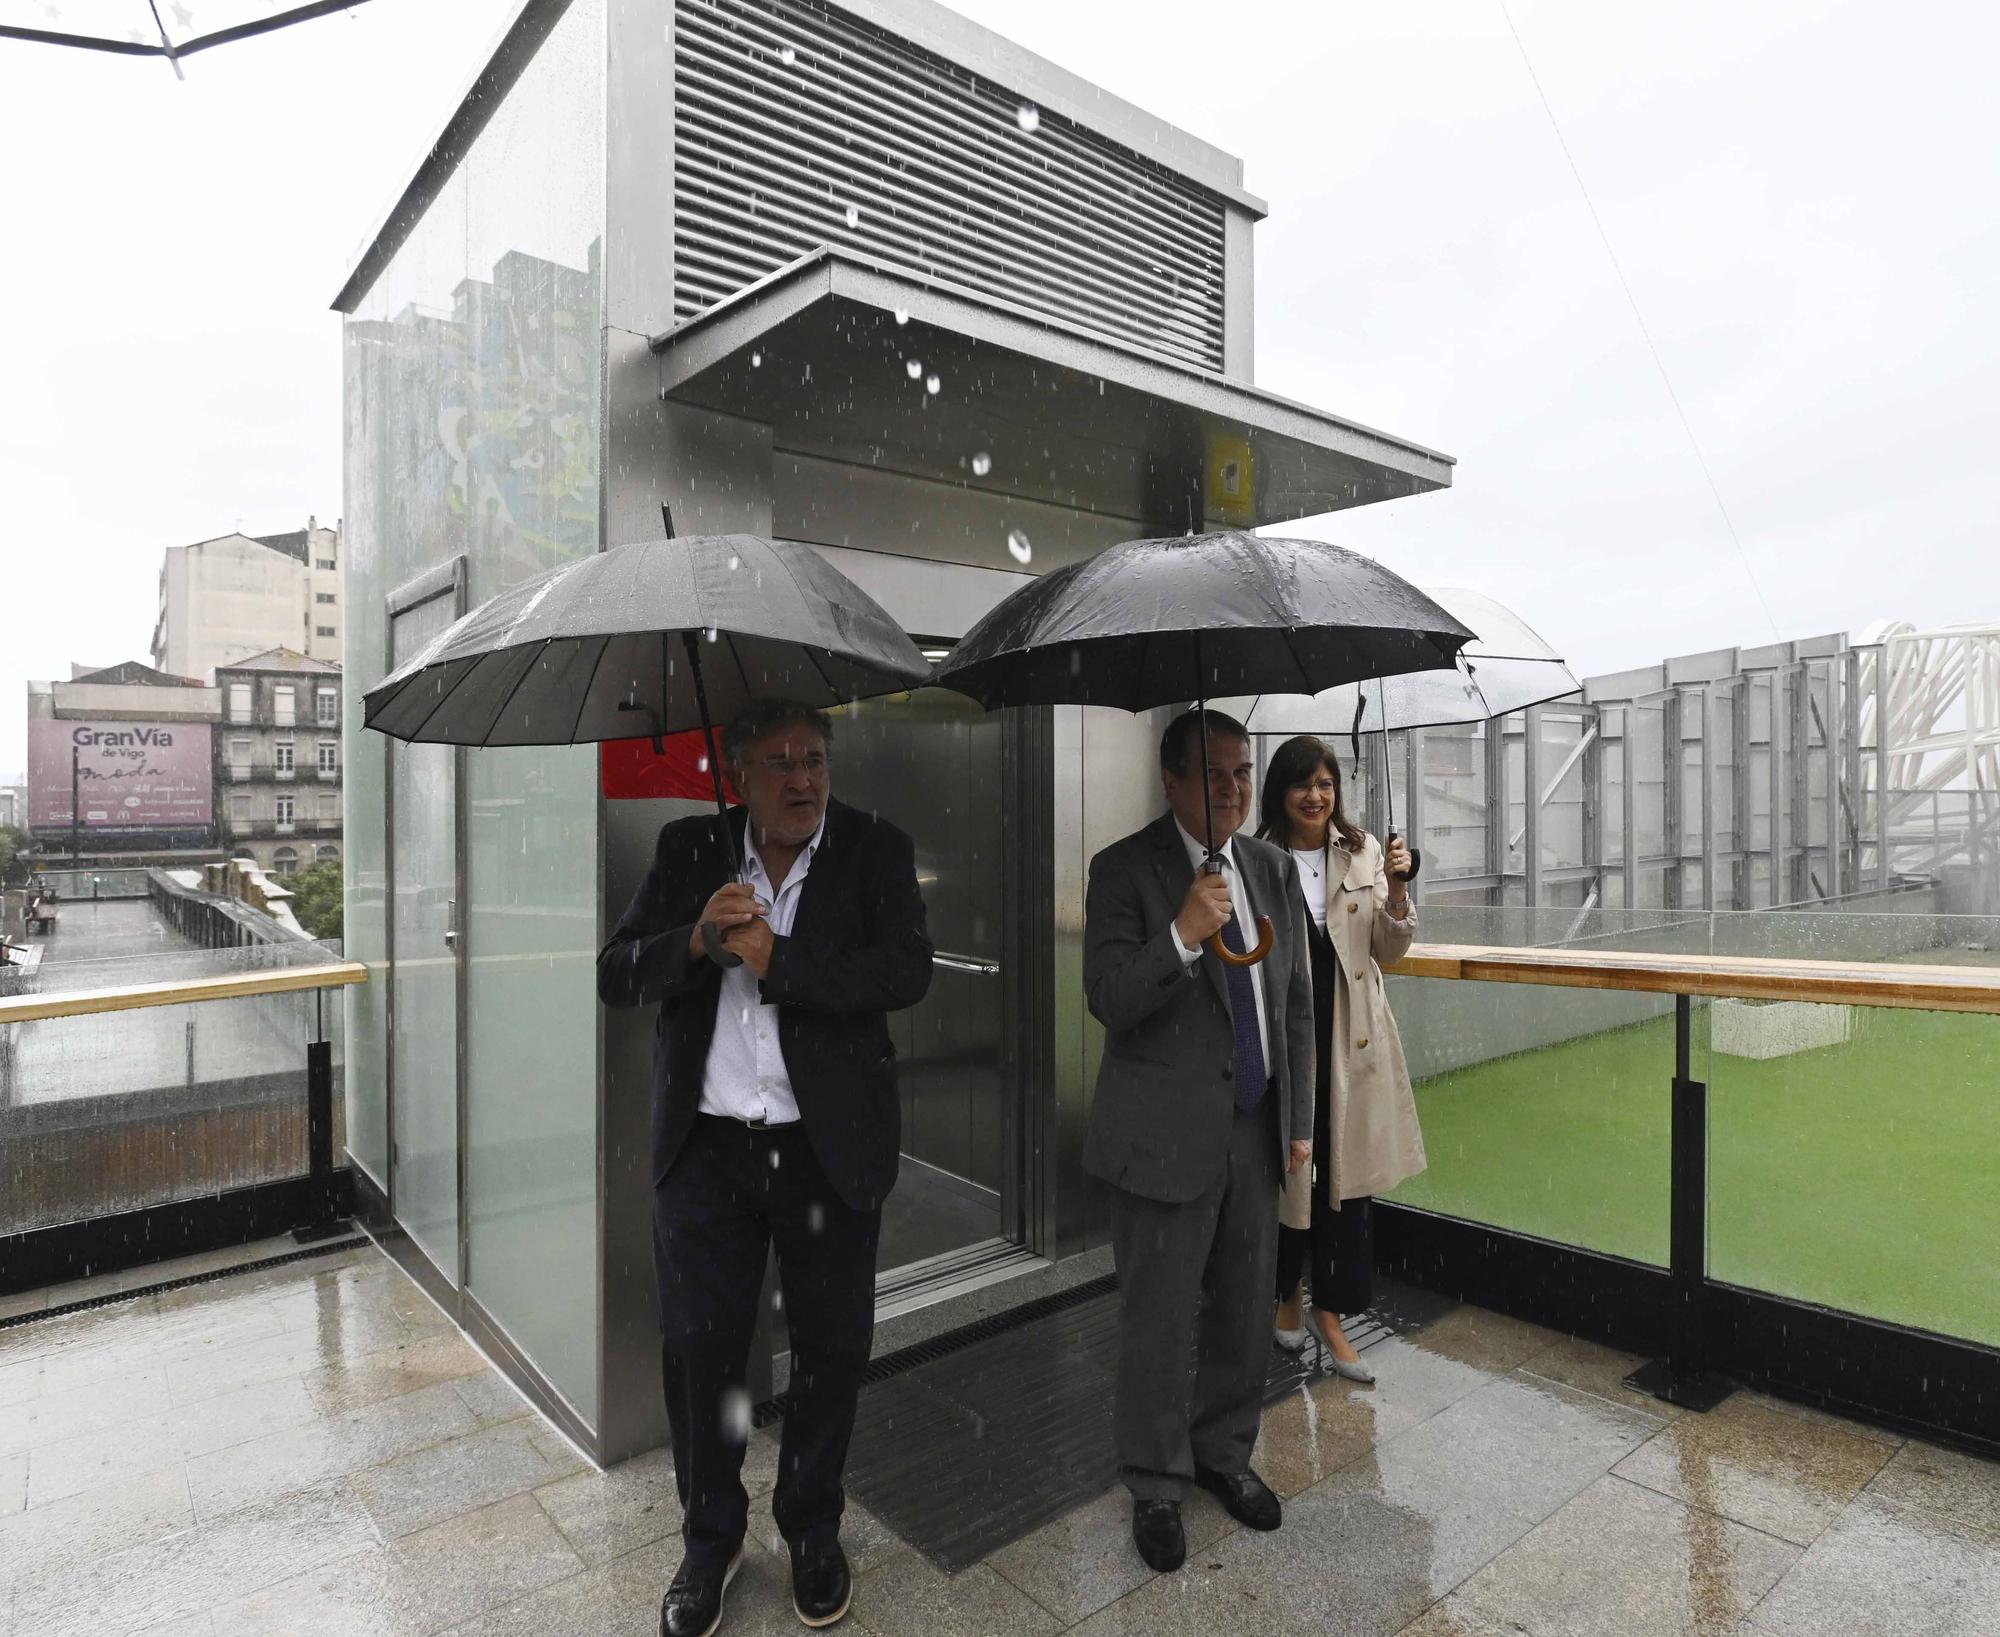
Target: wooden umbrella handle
(1250, 957)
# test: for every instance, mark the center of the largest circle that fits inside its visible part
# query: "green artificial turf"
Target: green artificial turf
(1864, 1176)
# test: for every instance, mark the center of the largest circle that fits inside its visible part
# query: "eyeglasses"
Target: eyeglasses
(1316, 787)
(784, 767)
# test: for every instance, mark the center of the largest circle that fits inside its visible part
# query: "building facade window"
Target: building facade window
(239, 758)
(239, 701)
(329, 811)
(287, 810)
(284, 703)
(239, 807)
(325, 597)
(323, 630)
(329, 707)
(285, 861)
(329, 750)
(283, 753)
(325, 562)
(326, 852)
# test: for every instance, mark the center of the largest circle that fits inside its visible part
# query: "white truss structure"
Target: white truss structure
(1940, 732)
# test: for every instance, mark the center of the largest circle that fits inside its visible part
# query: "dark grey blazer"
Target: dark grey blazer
(1160, 1120)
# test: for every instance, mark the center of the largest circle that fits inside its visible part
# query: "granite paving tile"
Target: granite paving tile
(1591, 1368)
(493, 1398)
(904, 1595)
(13, 1484)
(384, 1290)
(443, 1480)
(263, 1468)
(23, 1301)
(1620, 1558)
(438, 1577)
(1879, 1571)
(1479, 1337)
(1376, 1544)
(411, 1364)
(68, 1533)
(1412, 1383)
(180, 1434)
(1776, 1472)
(1964, 1488)
(1085, 1559)
(1822, 1418)
(607, 1515)
(283, 1353)
(193, 1335)
(618, 1598)
(20, 1382)
(183, 1574)
(49, 1418)
(74, 1332)
(1454, 1617)
(1322, 1425)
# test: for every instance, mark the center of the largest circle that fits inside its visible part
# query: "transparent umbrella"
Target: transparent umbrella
(1506, 667)
(172, 29)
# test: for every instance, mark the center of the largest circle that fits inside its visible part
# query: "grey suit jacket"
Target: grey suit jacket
(1161, 1117)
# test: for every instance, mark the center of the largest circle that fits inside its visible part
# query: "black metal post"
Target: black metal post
(1683, 1376)
(325, 1222)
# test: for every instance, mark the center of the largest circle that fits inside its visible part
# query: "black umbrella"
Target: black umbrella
(655, 637)
(1156, 622)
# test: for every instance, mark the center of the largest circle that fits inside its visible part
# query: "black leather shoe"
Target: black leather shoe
(821, 1585)
(693, 1604)
(1157, 1532)
(1244, 1496)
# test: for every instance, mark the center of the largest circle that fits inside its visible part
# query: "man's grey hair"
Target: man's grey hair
(764, 715)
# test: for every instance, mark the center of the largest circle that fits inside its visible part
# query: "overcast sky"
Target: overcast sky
(1801, 196)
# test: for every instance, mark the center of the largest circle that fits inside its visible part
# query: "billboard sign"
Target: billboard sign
(130, 776)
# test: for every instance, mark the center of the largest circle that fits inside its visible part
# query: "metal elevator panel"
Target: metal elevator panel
(796, 126)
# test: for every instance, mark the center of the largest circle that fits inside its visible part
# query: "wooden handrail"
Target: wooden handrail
(234, 986)
(1747, 977)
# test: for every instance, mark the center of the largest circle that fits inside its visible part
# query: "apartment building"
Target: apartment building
(239, 595)
(277, 760)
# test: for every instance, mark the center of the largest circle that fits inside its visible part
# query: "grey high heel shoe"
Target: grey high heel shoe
(1357, 1372)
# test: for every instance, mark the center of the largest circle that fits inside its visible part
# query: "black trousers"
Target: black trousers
(1340, 1245)
(732, 1193)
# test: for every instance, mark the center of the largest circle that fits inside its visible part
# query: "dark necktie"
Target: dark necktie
(1251, 1074)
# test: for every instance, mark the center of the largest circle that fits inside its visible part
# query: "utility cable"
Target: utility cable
(1639, 317)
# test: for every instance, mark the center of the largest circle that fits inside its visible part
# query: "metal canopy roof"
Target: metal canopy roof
(836, 355)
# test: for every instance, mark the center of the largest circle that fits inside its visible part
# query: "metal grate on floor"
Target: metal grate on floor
(973, 1440)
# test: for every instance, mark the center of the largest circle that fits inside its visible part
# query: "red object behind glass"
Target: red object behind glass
(631, 770)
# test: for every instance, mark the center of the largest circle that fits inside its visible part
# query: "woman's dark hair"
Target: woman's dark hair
(1295, 762)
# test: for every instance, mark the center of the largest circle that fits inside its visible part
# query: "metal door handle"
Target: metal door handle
(451, 923)
(966, 963)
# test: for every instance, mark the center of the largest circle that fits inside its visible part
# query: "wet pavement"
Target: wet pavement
(313, 1448)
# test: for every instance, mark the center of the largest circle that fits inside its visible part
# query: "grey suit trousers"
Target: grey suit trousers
(1194, 1300)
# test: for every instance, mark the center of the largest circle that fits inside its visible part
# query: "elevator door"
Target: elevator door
(931, 763)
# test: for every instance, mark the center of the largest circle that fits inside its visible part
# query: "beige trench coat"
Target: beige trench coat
(1376, 1140)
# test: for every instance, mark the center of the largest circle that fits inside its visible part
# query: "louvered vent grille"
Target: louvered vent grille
(796, 127)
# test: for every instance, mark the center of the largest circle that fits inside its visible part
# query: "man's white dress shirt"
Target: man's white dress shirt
(1246, 920)
(745, 1076)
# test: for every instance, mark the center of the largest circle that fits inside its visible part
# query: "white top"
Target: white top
(745, 1076)
(1245, 917)
(1312, 862)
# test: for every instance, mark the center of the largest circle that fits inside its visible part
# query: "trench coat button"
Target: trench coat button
(1363, 1041)
(1351, 908)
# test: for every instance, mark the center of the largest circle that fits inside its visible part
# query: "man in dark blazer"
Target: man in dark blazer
(775, 1121)
(1204, 1100)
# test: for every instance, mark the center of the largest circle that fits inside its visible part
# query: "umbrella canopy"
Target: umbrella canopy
(1507, 667)
(172, 29)
(1156, 622)
(601, 648)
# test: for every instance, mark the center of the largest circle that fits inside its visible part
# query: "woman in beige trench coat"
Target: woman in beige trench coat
(1357, 915)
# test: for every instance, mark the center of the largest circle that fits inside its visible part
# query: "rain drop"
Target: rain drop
(756, 360)
(1020, 547)
(701, 764)
(736, 1415)
(734, 560)
(932, 384)
(1028, 117)
(902, 315)
(853, 216)
(712, 633)
(815, 1217)
(913, 367)
(982, 463)
(776, 1158)
(787, 55)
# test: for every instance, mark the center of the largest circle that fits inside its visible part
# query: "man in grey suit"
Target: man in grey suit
(1204, 1100)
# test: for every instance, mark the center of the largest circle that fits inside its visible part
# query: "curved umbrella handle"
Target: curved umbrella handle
(1250, 957)
(718, 952)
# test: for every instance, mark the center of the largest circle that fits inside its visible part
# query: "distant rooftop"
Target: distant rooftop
(131, 673)
(282, 659)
